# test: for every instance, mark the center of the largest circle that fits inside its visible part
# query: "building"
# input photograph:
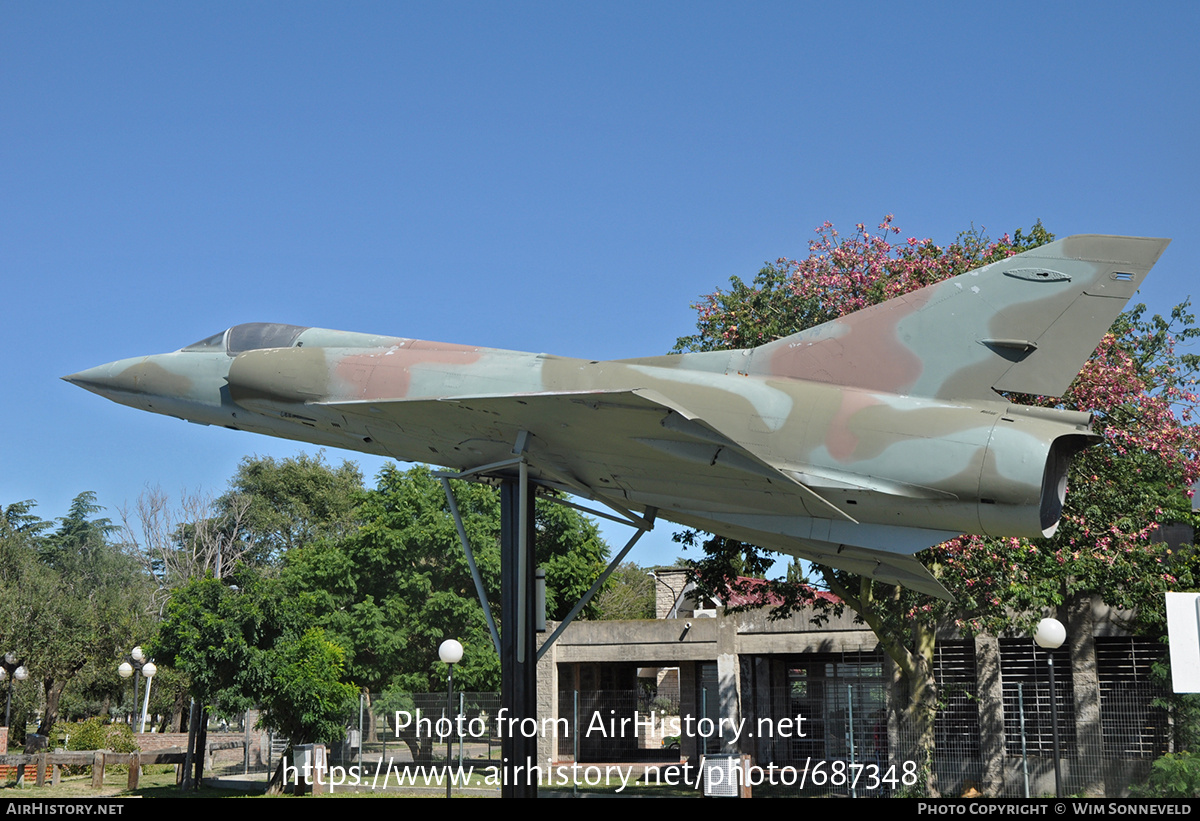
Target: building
(800, 690)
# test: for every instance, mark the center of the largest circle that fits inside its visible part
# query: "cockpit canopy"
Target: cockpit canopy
(249, 336)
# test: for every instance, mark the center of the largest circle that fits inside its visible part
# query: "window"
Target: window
(1132, 726)
(834, 692)
(250, 336)
(956, 728)
(1026, 683)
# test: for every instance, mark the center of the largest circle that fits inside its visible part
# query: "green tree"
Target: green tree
(27, 602)
(1137, 384)
(73, 548)
(381, 595)
(629, 594)
(272, 506)
(304, 695)
(19, 518)
(245, 647)
(283, 504)
(70, 599)
(393, 590)
(101, 603)
(255, 645)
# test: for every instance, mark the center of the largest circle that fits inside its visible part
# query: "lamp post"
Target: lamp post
(138, 657)
(13, 669)
(451, 653)
(1050, 635)
(148, 670)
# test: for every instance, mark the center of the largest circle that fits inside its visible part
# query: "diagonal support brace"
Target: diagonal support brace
(587, 597)
(466, 543)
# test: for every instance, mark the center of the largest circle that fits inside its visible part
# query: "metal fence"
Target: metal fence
(850, 741)
(622, 725)
(422, 728)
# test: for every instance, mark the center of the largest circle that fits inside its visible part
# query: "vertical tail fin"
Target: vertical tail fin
(1025, 324)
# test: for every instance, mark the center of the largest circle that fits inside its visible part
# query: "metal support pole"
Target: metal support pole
(518, 659)
(525, 565)
(145, 703)
(850, 713)
(575, 744)
(1024, 750)
(1058, 790)
(449, 715)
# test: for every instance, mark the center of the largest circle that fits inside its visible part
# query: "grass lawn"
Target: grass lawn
(159, 782)
(156, 782)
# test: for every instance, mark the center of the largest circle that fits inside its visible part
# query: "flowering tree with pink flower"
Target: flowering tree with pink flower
(1121, 491)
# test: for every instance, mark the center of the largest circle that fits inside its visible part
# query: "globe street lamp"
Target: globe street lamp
(1050, 635)
(451, 653)
(138, 657)
(125, 670)
(13, 669)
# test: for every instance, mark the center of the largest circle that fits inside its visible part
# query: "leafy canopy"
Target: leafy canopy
(253, 643)
(394, 589)
(282, 504)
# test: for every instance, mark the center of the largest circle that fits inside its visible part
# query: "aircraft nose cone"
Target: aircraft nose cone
(140, 375)
(99, 379)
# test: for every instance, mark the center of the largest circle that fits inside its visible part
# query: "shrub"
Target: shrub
(94, 734)
(1175, 775)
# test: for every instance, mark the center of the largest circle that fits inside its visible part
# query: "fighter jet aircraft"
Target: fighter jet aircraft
(854, 444)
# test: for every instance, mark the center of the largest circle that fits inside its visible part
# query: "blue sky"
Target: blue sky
(559, 177)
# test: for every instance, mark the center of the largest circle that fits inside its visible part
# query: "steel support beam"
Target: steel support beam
(518, 646)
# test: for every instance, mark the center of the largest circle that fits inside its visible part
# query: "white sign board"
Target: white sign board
(1183, 629)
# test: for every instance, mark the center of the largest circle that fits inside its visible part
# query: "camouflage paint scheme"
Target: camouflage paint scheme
(852, 444)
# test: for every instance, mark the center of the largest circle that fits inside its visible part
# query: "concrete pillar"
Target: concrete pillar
(547, 696)
(990, 692)
(1086, 769)
(764, 747)
(688, 706)
(729, 683)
